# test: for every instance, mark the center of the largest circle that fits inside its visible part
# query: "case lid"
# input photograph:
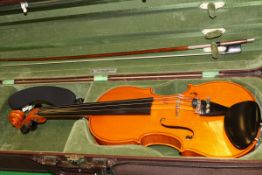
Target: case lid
(73, 28)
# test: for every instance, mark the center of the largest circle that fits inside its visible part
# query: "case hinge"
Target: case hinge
(48, 160)
(75, 159)
(79, 161)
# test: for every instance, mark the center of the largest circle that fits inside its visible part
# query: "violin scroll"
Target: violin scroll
(25, 123)
(16, 118)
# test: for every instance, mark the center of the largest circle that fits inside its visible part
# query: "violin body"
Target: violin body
(208, 138)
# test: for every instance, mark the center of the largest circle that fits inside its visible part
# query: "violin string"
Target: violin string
(179, 96)
(118, 105)
(97, 105)
(106, 103)
(93, 106)
(90, 110)
(80, 112)
(124, 104)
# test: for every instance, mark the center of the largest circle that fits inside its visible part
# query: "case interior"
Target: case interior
(111, 26)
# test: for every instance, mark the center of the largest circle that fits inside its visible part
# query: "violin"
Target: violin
(213, 119)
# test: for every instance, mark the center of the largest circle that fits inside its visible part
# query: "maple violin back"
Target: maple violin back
(173, 121)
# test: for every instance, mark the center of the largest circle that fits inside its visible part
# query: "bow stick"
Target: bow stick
(223, 46)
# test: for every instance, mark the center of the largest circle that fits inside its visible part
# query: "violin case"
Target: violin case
(33, 29)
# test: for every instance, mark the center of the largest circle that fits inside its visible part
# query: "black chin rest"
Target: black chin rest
(242, 122)
(50, 95)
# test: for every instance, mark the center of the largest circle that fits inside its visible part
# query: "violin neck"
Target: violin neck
(141, 106)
